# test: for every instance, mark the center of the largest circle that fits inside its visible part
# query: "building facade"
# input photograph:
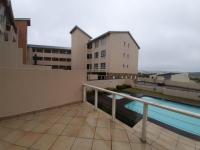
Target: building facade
(8, 30)
(56, 57)
(22, 29)
(113, 55)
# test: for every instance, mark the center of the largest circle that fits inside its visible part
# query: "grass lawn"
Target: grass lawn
(160, 95)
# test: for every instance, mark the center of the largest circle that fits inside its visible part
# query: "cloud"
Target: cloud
(167, 31)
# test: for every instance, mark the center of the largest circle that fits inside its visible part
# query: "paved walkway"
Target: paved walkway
(79, 127)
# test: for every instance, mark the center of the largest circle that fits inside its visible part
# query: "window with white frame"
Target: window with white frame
(96, 55)
(103, 53)
(96, 66)
(103, 41)
(89, 66)
(96, 44)
(89, 56)
(103, 65)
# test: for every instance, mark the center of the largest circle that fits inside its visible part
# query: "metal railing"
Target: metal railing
(145, 107)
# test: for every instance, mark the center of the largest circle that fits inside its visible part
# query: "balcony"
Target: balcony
(84, 126)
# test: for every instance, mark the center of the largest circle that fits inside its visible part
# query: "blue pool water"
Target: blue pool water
(117, 96)
(179, 121)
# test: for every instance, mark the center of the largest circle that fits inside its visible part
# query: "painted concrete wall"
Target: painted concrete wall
(10, 55)
(117, 49)
(107, 83)
(22, 37)
(27, 90)
(183, 77)
(110, 83)
(79, 49)
(190, 85)
(172, 92)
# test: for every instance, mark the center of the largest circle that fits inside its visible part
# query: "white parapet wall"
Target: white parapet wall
(172, 92)
(25, 90)
(111, 83)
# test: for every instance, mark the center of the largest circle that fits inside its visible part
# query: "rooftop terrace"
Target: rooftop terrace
(78, 126)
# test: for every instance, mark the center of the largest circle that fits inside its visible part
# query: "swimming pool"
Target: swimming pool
(179, 121)
(118, 97)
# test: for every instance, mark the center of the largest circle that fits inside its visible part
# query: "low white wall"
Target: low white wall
(190, 85)
(184, 94)
(111, 83)
(107, 83)
(172, 92)
(27, 90)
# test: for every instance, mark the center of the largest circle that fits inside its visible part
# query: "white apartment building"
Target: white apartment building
(112, 55)
(56, 57)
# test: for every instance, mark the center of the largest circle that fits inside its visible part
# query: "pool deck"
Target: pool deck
(79, 127)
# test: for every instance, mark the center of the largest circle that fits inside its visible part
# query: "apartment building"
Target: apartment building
(112, 55)
(56, 57)
(8, 29)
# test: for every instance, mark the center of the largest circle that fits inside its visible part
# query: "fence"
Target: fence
(145, 109)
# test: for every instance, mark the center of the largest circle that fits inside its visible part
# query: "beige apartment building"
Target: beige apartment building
(8, 29)
(112, 55)
(56, 57)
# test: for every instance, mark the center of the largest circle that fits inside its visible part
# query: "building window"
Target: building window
(69, 68)
(123, 65)
(89, 56)
(55, 59)
(124, 43)
(96, 55)
(47, 58)
(63, 51)
(69, 52)
(103, 65)
(47, 51)
(63, 67)
(89, 46)
(96, 44)
(69, 59)
(39, 50)
(96, 66)
(89, 66)
(55, 67)
(55, 51)
(39, 58)
(127, 65)
(63, 59)
(103, 53)
(103, 41)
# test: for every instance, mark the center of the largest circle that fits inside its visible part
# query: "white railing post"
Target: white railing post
(113, 107)
(144, 122)
(84, 93)
(96, 99)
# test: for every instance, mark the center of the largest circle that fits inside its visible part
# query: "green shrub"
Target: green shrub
(124, 86)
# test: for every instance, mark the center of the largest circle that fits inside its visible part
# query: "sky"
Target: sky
(168, 31)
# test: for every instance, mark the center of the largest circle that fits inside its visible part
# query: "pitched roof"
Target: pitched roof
(76, 27)
(28, 20)
(47, 47)
(110, 32)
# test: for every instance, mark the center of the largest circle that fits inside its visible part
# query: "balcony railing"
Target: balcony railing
(145, 109)
(97, 70)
